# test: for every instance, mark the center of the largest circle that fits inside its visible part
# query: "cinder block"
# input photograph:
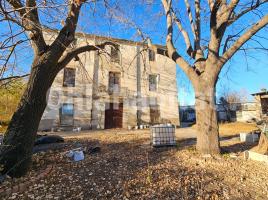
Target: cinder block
(255, 156)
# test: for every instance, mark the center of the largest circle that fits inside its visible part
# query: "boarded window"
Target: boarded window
(153, 82)
(114, 82)
(115, 54)
(151, 55)
(69, 77)
(154, 114)
(264, 105)
(66, 114)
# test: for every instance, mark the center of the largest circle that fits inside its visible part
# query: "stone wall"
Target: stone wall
(90, 95)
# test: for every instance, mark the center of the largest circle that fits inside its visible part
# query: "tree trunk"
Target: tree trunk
(263, 144)
(206, 118)
(21, 133)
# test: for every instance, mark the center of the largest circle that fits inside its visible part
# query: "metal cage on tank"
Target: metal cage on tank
(163, 135)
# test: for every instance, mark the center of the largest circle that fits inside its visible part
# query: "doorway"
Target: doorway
(154, 114)
(113, 115)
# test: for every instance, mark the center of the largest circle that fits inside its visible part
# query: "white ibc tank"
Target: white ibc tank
(163, 135)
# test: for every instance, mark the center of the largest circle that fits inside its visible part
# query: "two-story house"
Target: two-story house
(116, 88)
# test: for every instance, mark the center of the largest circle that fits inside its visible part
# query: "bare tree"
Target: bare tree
(48, 60)
(229, 99)
(203, 63)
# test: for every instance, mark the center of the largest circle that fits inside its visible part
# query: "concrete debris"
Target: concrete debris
(250, 155)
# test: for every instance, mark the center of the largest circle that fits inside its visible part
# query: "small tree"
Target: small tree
(230, 98)
(204, 62)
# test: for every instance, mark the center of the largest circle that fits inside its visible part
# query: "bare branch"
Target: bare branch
(199, 52)
(172, 53)
(30, 20)
(190, 16)
(67, 33)
(210, 4)
(75, 52)
(13, 77)
(243, 12)
(244, 38)
(214, 43)
(185, 35)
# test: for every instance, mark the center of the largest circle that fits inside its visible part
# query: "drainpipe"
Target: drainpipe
(139, 105)
(95, 95)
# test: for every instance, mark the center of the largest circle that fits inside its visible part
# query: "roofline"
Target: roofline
(259, 93)
(118, 40)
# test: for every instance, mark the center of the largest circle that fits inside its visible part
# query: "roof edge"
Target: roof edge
(94, 36)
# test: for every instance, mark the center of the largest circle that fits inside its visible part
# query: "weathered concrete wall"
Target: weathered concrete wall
(90, 91)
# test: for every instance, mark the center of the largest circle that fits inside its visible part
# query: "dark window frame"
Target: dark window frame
(151, 55)
(114, 78)
(70, 115)
(115, 54)
(155, 88)
(69, 77)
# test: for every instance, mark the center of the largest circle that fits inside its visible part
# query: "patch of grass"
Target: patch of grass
(235, 128)
(225, 155)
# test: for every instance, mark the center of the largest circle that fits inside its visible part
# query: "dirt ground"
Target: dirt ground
(127, 167)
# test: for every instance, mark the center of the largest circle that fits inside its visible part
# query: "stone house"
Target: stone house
(113, 88)
(262, 103)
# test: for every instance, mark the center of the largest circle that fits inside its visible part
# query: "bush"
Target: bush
(9, 98)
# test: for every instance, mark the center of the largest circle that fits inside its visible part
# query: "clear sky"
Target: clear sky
(240, 74)
(122, 19)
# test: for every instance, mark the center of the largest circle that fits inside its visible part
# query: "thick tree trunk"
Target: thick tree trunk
(206, 119)
(21, 133)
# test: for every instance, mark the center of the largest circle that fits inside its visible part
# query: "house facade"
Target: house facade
(241, 112)
(262, 103)
(122, 86)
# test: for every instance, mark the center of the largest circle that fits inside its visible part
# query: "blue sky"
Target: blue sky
(241, 73)
(238, 75)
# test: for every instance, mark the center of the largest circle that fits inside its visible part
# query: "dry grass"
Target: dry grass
(234, 128)
(127, 167)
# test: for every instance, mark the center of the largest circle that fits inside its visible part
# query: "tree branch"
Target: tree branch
(210, 4)
(75, 52)
(243, 12)
(199, 52)
(244, 38)
(214, 44)
(172, 53)
(185, 36)
(67, 33)
(190, 16)
(30, 20)
(13, 77)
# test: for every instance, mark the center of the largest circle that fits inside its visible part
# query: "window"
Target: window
(66, 114)
(151, 55)
(69, 77)
(114, 82)
(115, 54)
(153, 82)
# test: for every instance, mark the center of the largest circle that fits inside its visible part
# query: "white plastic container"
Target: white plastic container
(163, 135)
(249, 137)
